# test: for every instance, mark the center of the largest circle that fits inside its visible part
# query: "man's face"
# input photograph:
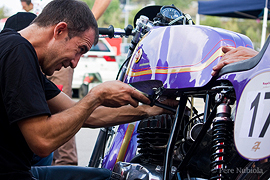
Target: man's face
(26, 7)
(67, 52)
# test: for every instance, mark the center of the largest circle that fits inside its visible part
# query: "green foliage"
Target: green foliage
(133, 13)
(112, 16)
(252, 29)
(231, 25)
(3, 12)
(115, 16)
(211, 21)
(248, 27)
(90, 3)
(181, 4)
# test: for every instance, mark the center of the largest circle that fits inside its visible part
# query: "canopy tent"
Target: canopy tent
(251, 9)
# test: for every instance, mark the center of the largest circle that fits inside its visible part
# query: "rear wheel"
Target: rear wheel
(98, 151)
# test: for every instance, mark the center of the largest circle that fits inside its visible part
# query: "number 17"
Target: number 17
(255, 104)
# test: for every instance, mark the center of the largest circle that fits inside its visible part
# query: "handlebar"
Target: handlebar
(111, 31)
(107, 31)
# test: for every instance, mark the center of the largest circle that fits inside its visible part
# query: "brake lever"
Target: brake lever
(153, 90)
(164, 106)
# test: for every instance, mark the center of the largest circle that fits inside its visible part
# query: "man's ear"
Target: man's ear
(60, 30)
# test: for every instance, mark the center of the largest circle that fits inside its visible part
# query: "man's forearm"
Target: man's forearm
(105, 116)
(99, 7)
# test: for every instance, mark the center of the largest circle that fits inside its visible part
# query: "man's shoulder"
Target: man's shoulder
(10, 40)
(7, 32)
(11, 36)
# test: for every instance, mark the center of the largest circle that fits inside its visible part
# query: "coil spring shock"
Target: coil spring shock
(222, 141)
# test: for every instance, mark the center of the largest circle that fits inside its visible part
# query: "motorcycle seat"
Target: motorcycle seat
(245, 64)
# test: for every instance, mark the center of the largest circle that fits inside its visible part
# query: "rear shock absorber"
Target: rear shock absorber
(222, 139)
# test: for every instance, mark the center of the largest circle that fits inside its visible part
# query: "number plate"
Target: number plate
(251, 129)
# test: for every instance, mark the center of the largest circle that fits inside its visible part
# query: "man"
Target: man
(18, 22)
(27, 5)
(67, 153)
(35, 116)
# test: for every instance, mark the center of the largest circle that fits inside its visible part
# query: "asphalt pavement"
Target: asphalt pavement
(85, 140)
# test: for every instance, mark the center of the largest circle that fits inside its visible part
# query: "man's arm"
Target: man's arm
(106, 116)
(232, 55)
(50, 132)
(99, 7)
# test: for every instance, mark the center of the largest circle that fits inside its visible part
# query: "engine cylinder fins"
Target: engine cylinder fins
(162, 122)
(153, 134)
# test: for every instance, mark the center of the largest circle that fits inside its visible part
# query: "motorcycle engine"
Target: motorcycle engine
(153, 134)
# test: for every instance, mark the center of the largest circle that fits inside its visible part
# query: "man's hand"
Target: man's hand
(117, 93)
(233, 55)
(155, 110)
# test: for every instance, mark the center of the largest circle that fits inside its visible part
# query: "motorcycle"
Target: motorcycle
(170, 57)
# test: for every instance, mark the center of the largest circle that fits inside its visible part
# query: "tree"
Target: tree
(112, 15)
(248, 27)
(3, 12)
(211, 21)
(181, 4)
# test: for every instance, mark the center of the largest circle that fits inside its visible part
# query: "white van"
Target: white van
(99, 60)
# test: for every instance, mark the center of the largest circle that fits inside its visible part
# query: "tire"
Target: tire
(101, 146)
(98, 151)
(83, 91)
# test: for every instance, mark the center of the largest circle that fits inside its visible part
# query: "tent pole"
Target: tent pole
(197, 16)
(265, 17)
(197, 19)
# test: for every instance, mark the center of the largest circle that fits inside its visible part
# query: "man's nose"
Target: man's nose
(74, 62)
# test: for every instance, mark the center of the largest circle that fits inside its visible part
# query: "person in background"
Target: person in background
(19, 20)
(99, 7)
(27, 5)
(67, 153)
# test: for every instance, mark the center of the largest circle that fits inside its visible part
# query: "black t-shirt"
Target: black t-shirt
(23, 94)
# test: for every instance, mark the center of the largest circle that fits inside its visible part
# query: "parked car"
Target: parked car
(100, 62)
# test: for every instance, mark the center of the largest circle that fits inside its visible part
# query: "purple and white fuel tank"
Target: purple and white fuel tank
(181, 56)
